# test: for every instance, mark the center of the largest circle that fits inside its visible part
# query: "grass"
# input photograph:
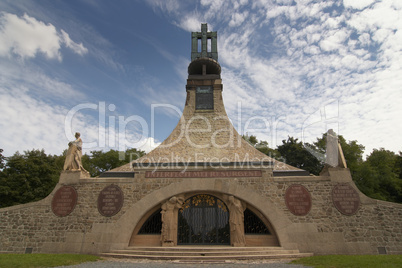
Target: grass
(352, 261)
(43, 260)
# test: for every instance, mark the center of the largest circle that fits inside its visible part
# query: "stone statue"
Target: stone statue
(74, 155)
(169, 220)
(236, 220)
(334, 153)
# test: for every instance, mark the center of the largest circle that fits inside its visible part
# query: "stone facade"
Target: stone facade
(205, 156)
(374, 228)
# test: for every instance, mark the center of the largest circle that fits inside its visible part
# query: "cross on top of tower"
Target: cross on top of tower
(202, 49)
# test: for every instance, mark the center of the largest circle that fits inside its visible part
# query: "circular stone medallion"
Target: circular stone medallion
(298, 200)
(345, 199)
(64, 201)
(110, 200)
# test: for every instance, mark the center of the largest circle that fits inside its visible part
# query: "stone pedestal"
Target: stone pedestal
(68, 177)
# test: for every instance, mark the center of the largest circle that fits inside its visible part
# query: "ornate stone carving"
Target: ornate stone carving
(236, 220)
(169, 220)
(74, 155)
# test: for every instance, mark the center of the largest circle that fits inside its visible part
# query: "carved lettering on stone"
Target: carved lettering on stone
(346, 199)
(110, 200)
(298, 200)
(203, 174)
(64, 201)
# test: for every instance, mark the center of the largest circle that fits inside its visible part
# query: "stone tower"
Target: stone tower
(204, 136)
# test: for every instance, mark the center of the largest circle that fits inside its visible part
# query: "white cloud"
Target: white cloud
(190, 23)
(238, 18)
(27, 36)
(77, 48)
(358, 4)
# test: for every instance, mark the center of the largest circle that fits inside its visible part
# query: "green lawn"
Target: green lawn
(43, 260)
(352, 261)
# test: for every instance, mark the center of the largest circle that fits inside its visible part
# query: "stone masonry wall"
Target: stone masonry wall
(33, 224)
(375, 228)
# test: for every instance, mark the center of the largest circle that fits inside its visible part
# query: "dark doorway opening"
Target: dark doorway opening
(203, 219)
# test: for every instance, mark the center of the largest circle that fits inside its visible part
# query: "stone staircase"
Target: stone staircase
(205, 253)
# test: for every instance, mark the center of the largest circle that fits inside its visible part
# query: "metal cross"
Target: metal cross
(204, 35)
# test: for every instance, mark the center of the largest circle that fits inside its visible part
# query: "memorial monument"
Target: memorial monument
(205, 186)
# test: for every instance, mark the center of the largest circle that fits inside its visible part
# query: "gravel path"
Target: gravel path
(125, 263)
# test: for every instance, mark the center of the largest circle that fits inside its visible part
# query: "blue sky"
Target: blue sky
(115, 71)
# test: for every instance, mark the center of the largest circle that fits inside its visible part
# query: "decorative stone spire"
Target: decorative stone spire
(204, 36)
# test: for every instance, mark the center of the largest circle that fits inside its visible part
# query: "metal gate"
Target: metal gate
(203, 219)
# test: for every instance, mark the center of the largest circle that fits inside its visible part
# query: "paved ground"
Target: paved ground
(125, 263)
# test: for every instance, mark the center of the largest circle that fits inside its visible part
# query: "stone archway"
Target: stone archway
(258, 229)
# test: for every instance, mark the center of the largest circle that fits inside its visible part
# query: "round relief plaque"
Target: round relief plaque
(110, 200)
(64, 201)
(345, 199)
(298, 200)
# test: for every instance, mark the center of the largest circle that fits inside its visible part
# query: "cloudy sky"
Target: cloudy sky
(116, 70)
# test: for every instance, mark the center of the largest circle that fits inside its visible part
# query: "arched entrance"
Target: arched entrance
(203, 219)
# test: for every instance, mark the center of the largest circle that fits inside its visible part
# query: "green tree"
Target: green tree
(28, 177)
(379, 176)
(295, 154)
(262, 146)
(2, 159)
(98, 161)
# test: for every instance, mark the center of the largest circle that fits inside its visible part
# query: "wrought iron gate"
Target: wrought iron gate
(203, 219)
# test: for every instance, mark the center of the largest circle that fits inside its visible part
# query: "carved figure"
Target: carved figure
(169, 220)
(74, 154)
(236, 220)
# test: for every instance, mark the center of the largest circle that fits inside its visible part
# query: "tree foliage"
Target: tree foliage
(296, 154)
(2, 159)
(262, 146)
(28, 177)
(379, 176)
(98, 161)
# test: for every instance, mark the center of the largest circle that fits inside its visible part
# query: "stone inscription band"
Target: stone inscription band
(203, 174)
(64, 201)
(298, 200)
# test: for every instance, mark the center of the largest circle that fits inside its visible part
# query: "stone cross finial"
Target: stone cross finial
(204, 35)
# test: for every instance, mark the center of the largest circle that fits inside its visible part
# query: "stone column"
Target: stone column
(169, 215)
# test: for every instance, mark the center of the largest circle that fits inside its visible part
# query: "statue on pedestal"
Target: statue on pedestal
(236, 220)
(74, 155)
(169, 220)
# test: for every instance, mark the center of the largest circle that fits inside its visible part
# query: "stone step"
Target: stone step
(208, 258)
(204, 248)
(206, 253)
